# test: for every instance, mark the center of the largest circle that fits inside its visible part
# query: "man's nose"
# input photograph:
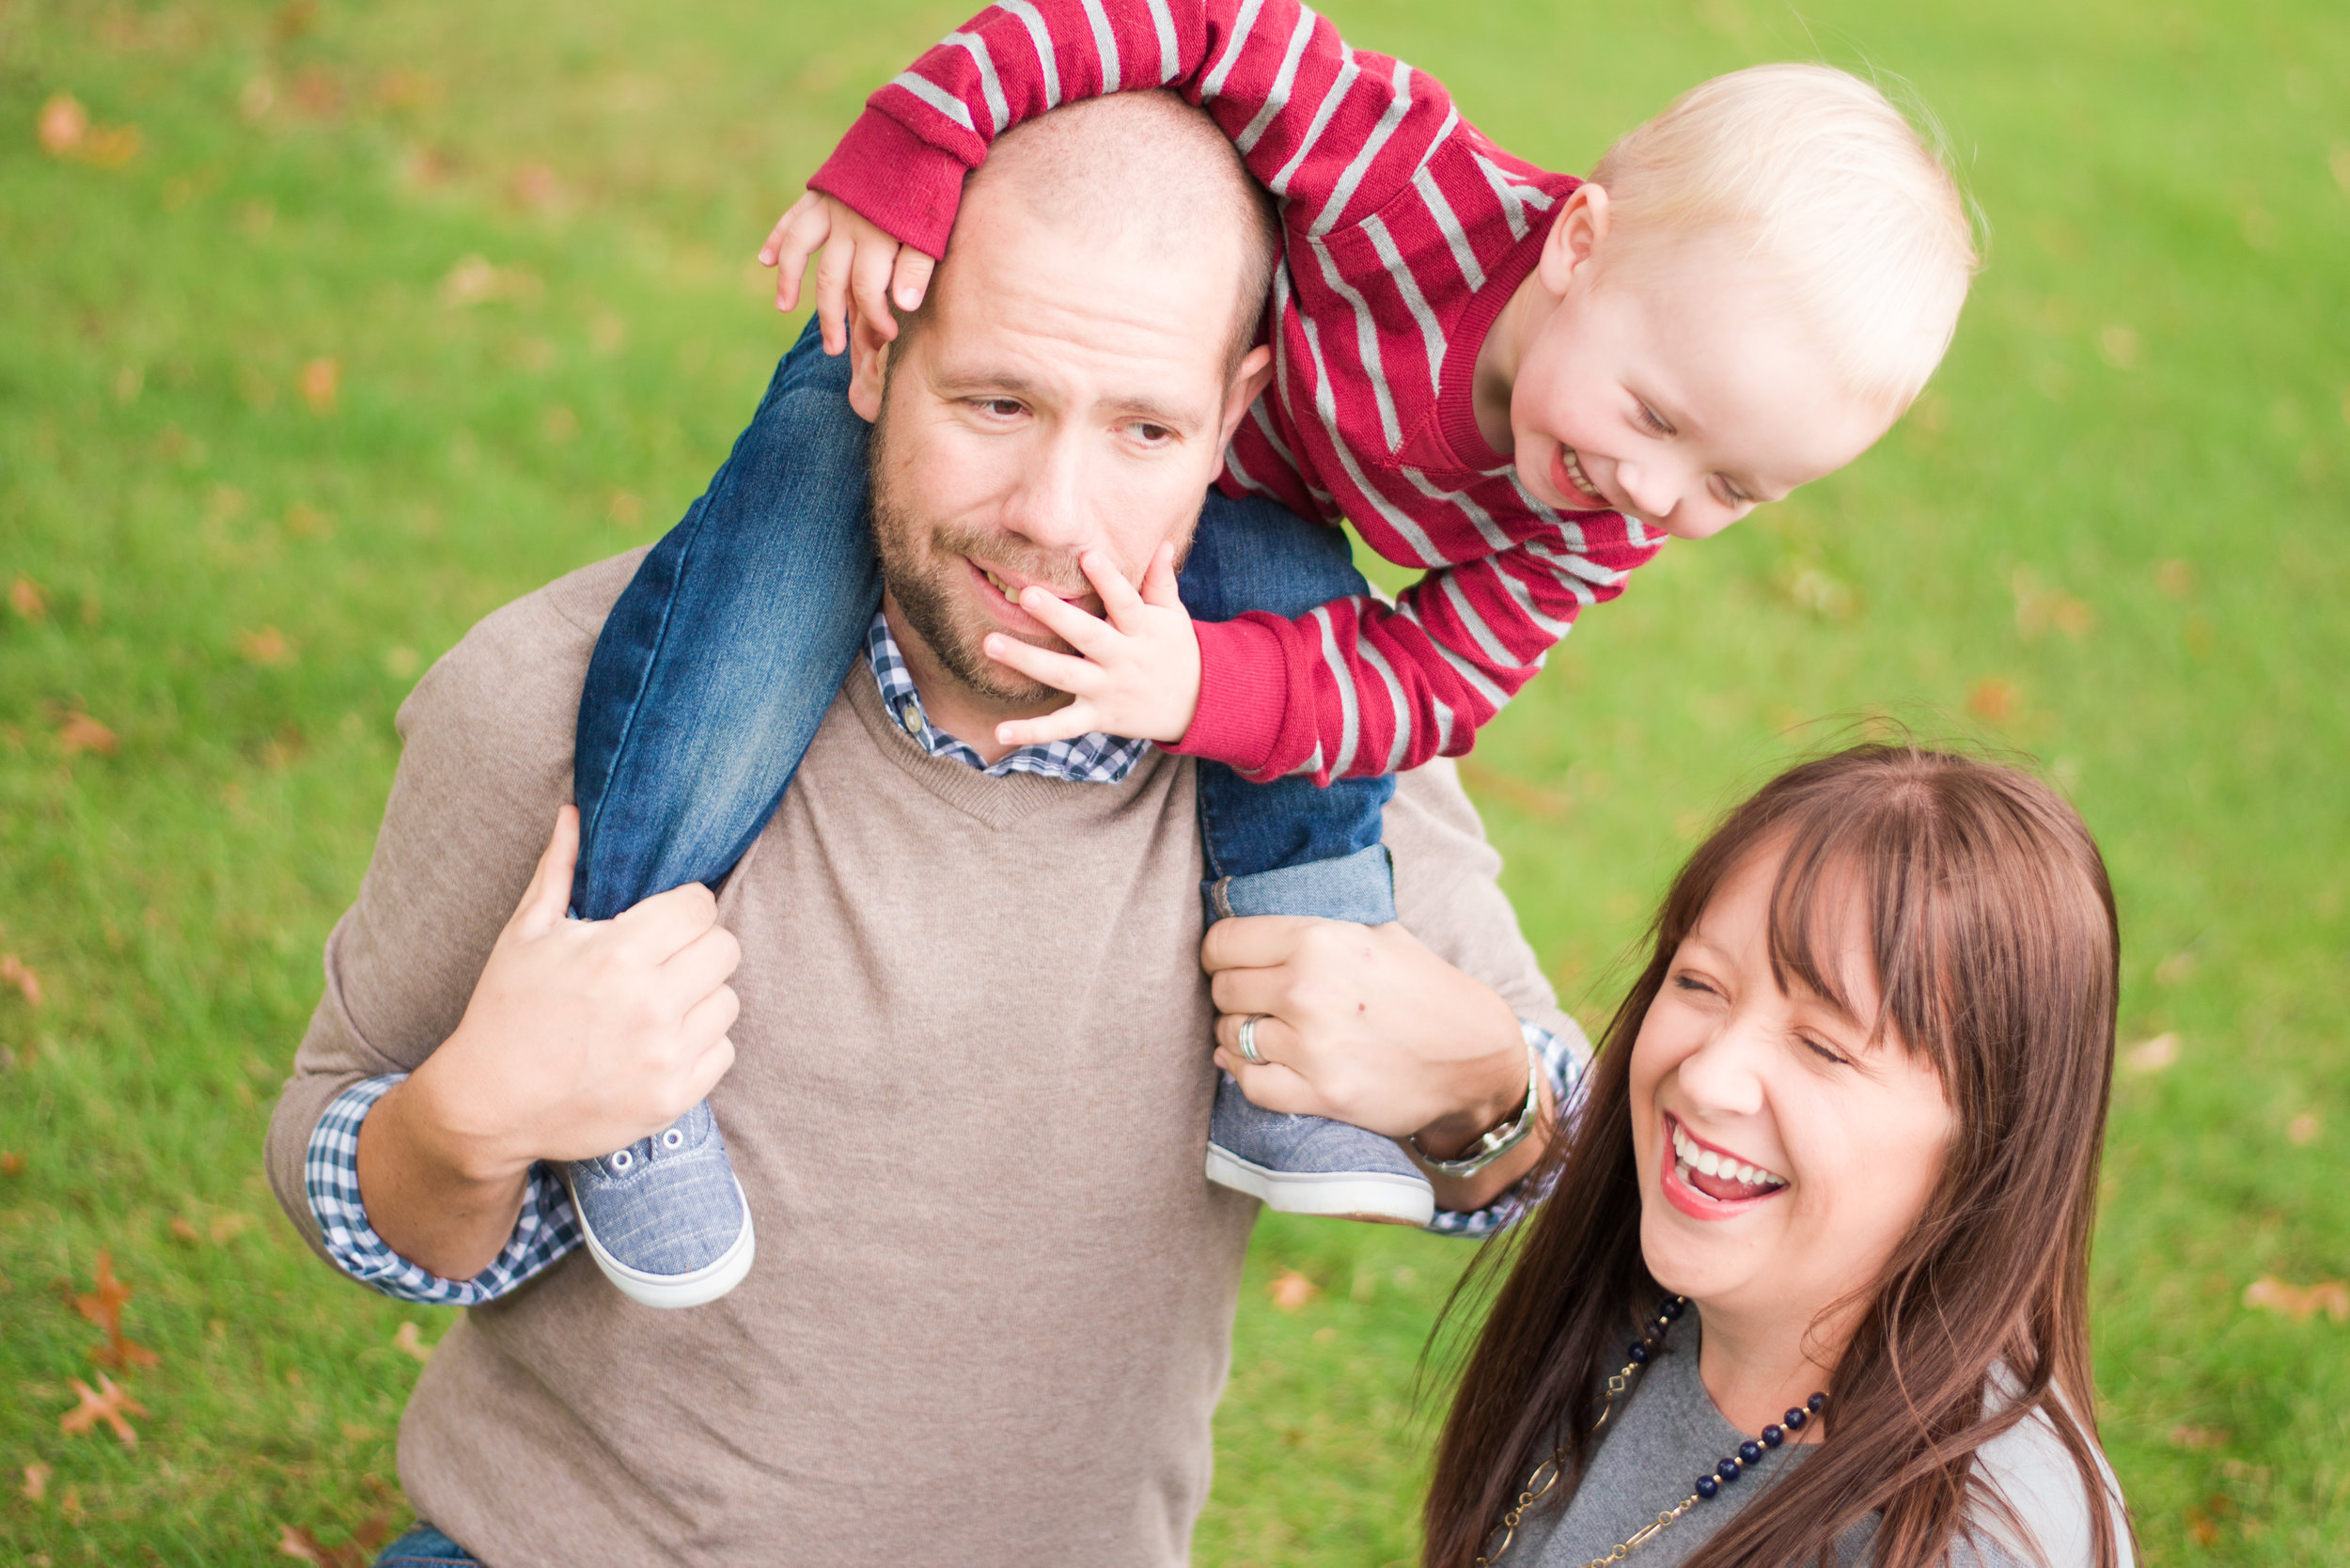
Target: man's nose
(1050, 508)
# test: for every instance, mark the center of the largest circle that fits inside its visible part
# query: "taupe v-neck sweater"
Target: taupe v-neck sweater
(993, 1305)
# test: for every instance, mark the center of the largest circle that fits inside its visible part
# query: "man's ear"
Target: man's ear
(1576, 233)
(869, 363)
(1255, 368)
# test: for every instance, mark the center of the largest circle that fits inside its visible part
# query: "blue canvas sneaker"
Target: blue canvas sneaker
(665, 1218)
(1304, 1165)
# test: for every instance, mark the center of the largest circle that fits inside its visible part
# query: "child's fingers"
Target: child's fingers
(796, 235)
(1118, 598)
(868, 282)
(1159, 588)
(1076, 677)
(1061, 724)
(912, 278)
(832, 290)
(1088, 635)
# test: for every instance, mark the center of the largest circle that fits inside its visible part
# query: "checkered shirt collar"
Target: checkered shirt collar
(1095, 759)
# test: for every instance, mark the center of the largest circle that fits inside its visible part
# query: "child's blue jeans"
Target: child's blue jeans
(723, 654)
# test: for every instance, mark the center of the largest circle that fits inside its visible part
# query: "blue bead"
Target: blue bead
(1638, 1355)
(1672, 1308)
(1794, 1420)
(1728, 1470)
(1749, 1454)
(1708, 1487)
(1773, 1436)
(1816, 1403)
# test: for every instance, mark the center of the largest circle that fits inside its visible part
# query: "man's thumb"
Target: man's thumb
(550, 891)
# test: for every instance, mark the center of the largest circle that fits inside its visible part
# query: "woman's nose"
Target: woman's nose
(1723, 1076)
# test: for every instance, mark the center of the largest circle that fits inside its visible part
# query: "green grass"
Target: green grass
(2116, 528)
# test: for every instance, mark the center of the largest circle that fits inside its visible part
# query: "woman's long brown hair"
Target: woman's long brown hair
(1991, 924)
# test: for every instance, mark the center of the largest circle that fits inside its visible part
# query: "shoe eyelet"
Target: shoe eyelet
(672, 1139)
(622, 1160)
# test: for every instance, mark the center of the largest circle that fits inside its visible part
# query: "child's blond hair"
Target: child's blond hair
(1813, 171)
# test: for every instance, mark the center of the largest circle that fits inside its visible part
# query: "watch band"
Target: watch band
(1497, 1141)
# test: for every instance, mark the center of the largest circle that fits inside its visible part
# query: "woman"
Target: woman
(1820, 1234)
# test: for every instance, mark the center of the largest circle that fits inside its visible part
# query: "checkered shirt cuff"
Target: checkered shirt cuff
(1566, 1068)
(546, 1229)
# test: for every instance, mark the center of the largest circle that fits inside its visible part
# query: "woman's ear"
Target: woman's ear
(869, 365)
(1576, 232)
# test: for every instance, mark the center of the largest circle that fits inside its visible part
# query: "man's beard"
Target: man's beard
(923, 566)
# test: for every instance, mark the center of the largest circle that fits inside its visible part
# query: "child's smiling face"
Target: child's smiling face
(1677, 386)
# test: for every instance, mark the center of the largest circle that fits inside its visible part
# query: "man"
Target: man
(963, 1062)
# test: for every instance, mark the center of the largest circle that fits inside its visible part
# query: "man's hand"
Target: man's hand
(582, 1037)
(1139, 675)
(859, 259)
(1362, 1024)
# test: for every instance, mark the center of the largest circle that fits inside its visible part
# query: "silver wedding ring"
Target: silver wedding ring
(1248, 1037)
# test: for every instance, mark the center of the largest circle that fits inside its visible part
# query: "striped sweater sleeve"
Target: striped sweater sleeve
(1404, 230)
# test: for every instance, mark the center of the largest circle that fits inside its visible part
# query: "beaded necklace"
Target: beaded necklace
(1709, 1485)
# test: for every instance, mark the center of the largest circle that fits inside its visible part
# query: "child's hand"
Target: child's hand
(1140, 673)
(859, 257)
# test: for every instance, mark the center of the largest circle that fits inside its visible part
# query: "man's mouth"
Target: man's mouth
(1710, 1172)
(1007, 591)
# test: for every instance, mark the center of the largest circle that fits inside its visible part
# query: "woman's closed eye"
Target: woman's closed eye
(1826, 1052)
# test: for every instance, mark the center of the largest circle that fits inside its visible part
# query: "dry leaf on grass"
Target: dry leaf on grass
(2299, 1302)
(267, 646)
(62, 125)
(2184, 1437)
(104, 1309)
(2302, 1129)
(1291, 1289)
(2152, 1056)
(1992, 700)
(300, 1545)
(81, 732)
(409, 1343)
(15, 971)
(36, 1481)
(25, 598)
(11, 1162)
(107, 1402)
(321, 379)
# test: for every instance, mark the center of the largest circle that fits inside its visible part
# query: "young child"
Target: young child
(1517, 381)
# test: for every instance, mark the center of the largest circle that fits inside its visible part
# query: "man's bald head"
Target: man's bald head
(1130, 172)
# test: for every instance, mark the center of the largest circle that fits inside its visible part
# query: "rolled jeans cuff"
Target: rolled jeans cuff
(1358, 886)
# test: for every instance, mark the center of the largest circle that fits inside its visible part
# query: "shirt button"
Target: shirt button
(910, 716)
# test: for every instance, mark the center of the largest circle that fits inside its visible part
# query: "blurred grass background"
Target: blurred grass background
(324, 329)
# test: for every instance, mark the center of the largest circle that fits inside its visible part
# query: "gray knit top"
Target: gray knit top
(1667, 1432)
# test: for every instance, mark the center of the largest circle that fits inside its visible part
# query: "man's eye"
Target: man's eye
(1151, 435)
(1000, 408)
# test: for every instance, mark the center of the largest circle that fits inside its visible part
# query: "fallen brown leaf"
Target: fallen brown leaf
(267, 646)
(2184, 1437)
(2299, 1302)
(1993, 700)
(1532, 799)
(2302, 1129)
(409, 1343)
(107, 1402)
(62, 125)
(2154, 1056)
(182, 1228)
(300, 1545)
(26, 599)
(319, 380)
(227, 1227)
(81, 732)
(1291, 1289)
(36, 1481)
(11, 1162)
(110, 146)
(104, 1307)
(15, 971)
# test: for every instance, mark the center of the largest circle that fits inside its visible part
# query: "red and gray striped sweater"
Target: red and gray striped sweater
(1405, 232)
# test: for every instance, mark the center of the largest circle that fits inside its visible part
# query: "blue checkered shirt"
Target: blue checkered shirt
(548, 1228)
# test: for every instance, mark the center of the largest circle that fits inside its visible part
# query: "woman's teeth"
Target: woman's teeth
(1693, 1156)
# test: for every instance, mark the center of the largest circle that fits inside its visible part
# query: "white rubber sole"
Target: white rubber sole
(1367, 1196)
(705, 1284)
